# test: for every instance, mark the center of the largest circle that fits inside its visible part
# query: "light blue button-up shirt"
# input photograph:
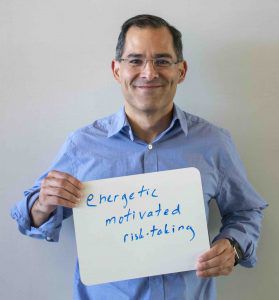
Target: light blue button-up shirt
(108, 148)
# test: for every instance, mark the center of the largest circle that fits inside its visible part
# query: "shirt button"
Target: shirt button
(150, 146)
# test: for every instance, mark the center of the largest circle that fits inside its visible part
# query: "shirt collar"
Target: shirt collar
(119, 121)
(180, 115)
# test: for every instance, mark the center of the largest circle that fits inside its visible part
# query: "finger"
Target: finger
(217, 248)
(226, 255)
(66, 176)
(60, 193)
(213, 252)
(57, 201)
(224, 269)
(61, 183)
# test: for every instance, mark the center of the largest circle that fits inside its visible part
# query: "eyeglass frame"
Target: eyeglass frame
(146, 60)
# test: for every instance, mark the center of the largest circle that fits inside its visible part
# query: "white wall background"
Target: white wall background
(55, 76)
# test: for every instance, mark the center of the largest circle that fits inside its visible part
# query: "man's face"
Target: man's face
(148, 89)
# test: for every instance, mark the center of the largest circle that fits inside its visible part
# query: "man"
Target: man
(151, 134)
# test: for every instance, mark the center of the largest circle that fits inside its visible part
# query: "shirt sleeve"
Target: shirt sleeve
(241, 207)
(20, 212)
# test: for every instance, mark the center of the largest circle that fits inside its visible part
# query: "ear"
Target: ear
(182, 70)
(115, 69)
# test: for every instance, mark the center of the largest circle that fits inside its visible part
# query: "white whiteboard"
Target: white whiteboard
(140, 225)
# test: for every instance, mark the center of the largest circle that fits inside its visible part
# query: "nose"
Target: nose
(148, 71)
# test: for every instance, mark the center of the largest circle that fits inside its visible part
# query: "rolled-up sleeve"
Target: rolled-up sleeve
(241, 207)
(21, 211)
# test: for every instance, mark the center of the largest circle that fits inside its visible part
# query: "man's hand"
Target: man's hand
(57, 189)
(219, 260)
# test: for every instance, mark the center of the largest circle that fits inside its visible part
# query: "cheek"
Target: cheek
(126, 79)
(171, 78)
(175, 80)
(172, 82)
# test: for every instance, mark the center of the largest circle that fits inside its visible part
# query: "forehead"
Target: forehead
(148, 41)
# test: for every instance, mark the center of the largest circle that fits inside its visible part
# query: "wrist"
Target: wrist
(237, 250)
(38, 214)
(41, 209)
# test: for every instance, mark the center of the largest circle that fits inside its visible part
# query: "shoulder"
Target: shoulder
(98, 129)
(200, 128)
(215, 142)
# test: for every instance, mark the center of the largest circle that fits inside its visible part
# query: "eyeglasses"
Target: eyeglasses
(140, 63)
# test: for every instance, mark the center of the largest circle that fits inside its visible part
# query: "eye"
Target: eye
(135, 62)
(162, 62)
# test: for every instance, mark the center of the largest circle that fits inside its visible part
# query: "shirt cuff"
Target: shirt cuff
(249, 259)
(49, 230)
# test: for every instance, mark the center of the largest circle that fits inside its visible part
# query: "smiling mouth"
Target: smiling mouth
(148, 86)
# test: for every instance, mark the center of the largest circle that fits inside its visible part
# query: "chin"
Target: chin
(150, 107)
(148, 104)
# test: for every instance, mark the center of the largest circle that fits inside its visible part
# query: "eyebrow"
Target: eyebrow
(135, 55)
(158, 55)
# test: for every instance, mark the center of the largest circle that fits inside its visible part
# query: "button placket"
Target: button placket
(150, 160)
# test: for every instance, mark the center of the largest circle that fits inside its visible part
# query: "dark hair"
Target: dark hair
(143, 21)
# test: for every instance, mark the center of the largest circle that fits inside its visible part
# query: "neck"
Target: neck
(147, 126)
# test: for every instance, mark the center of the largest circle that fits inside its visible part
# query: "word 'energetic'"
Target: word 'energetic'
(94, 200)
